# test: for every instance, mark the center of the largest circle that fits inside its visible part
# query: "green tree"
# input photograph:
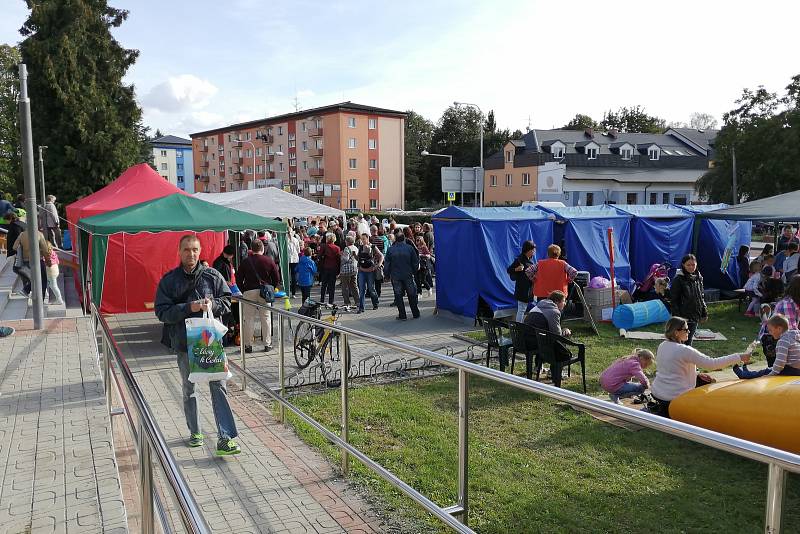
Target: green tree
(581, 122)
(80, 106)
(10, 163)
(634, 119)
(418, 133)
(764, 131)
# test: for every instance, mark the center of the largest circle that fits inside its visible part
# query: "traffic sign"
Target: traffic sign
(451, 196)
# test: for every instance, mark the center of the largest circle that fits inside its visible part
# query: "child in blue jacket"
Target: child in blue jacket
(305, 271)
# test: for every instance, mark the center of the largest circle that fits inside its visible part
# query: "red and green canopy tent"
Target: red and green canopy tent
(172, 213)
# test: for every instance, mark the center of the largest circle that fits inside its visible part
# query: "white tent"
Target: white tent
(270, 202)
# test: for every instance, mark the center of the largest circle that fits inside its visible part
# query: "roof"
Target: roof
(270, 202)
(171, 140)
(578, 138)
(182, 213)
(654, 211)
(634, 175)
(517, 143)
(489, 214)
(704, 139)
(780, 208)
(342, 106)
(604, 211)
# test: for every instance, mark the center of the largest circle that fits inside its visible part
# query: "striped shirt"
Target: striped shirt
(788, 309)
(787, 353)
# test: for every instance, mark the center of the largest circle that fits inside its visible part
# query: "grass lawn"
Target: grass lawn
(538, 466)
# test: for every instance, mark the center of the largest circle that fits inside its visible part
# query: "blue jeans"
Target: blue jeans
(522, 307)
(366, 282)
(629, 389)
(226, 426)
(409, 288)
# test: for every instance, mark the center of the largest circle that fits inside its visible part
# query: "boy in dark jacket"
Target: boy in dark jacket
(522, 284)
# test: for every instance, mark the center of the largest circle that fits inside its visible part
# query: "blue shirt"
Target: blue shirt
(5, 207)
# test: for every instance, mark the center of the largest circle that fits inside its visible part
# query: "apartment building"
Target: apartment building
(584, 167)
(172, 158)
(348, 156)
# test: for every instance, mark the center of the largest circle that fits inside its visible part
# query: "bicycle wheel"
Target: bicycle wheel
(331, 362)
(305, 345)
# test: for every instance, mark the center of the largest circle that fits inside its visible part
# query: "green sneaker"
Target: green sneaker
(227, 447)
(196, 440)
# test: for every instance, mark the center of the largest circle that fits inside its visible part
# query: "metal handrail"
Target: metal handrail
(150, 440)
(779, 461)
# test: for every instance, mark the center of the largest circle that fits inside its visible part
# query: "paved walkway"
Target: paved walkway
(59, 473)
(278, 484)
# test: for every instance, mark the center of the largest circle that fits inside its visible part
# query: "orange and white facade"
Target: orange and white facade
(347, 156)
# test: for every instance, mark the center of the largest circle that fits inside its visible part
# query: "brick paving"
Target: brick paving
(59, 472)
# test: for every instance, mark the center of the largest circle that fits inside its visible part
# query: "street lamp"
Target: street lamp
(481, 112)
(426, 153)
(41, 173)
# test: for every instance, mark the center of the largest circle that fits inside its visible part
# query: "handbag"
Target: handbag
(207, 358)
(379, 273)
(267, 292)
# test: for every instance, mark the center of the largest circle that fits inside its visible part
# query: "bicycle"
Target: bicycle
(313, 342)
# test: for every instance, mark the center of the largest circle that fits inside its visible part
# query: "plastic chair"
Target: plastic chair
(552, 349)
(495, 340)
(524, 341)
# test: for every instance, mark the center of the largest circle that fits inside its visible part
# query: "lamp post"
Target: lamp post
(476, 174)
(448, 156)
(41, 173)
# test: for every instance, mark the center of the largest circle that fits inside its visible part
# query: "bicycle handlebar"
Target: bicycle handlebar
(336, 307)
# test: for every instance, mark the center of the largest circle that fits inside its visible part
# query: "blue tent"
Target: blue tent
(474, 246)
(584, 232)
(659, 233)
(712, 239)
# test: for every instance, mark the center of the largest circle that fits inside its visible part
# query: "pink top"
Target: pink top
(53, 258)
(622, 370)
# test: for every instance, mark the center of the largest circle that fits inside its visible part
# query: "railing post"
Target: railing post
(776, 490)
(463, 444)
(241, 345)
(106, 370)
(345, 399)
(145, 483)
(281, 368)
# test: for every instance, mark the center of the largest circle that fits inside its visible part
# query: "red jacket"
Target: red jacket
(330, 257)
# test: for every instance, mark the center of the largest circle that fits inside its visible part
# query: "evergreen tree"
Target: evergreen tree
(634, 119)
(80, 108)
(417, 138)
(581, 122)
(10, 162)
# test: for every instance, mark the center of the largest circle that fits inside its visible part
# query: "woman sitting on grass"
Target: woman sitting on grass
(787, 351)
(616, 379)
(677, 365)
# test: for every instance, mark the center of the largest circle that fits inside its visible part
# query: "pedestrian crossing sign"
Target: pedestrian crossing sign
(451, 197)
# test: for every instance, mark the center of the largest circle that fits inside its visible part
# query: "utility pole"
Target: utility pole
(32, 225)
(41, 173)
(735, 188)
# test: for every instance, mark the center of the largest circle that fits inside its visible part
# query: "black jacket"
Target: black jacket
(522, 287)
(401, 262)
(686, 296)
(176, 290)
(223, 265)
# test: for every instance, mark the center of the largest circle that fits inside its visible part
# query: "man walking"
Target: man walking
(348, 271)
(52, 229)
(258, 269)
(402, 261)
(186, 292)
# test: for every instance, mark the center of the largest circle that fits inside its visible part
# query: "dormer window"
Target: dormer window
(558, 152)
(509, 156)
(591, 152)
(626, 153)
(653, 153)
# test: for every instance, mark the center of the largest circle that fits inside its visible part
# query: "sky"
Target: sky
(205, 64)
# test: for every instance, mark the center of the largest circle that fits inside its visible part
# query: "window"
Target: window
(591, 153)
(249, 153)
(353, 204)
(558, 152)
(680, 200)
(213, 173)
(509, 180)
(653, 198)
(351, 143)
(247, 136)
(292, 174)
(163, 153)
(373, 203)
(230, 170)
(526, 179)
(259, 169)
(653, 152)
(292, 143)
(373, 184)
(163, 166)
(631, 198)
(318, 143)
(665, 198)
(493, 180)
(305, 145)
(291, 136)
(305, 165)
(373, 164)
(249, 169)
(353, 183)
(373, 124)
(373, 144)
(509, 156)
(179, 154)
(353, 163)
(280, 130)
(280, 148)
(351, 122)
(230, 154)
(271, 167)
(280, 166)
(179, 167)
(258, 151)
(626, 153)
(270, 151)
(229, 138)
(590, 199)
(303, 126)
(239, 153)
(269, 131)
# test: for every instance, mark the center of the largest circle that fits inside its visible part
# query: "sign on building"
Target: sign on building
(462, 180)
(551, 180)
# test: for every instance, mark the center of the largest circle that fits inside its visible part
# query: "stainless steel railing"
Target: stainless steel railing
(779, 462)
(150, 442)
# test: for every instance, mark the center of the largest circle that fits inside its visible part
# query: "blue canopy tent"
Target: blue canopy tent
(474, 246)
(716, 243)
(659, 233)
(584, 230)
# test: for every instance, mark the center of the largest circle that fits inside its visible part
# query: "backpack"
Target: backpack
(365, 260)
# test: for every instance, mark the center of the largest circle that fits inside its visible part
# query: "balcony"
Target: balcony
(269, 175)
(267, 139)
(203, 148)
(315, 132)
(203, 177)
(238, 176)
(269, 158)
(204, 164)
(316, 173)
(315, 152)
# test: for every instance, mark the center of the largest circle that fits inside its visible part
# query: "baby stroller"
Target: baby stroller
(646, 289)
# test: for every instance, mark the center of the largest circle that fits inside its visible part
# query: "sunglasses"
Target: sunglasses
(683, 329)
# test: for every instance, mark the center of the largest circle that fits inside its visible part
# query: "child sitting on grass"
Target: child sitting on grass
(787, 352)
(616, 378)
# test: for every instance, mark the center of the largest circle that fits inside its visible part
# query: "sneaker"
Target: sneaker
(248, 349)
(614, 399)
(227, 447)
(374, 306)
(267, 348)
(6, 331)
(196, 440)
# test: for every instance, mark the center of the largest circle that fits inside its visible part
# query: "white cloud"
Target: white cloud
(180, 93)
